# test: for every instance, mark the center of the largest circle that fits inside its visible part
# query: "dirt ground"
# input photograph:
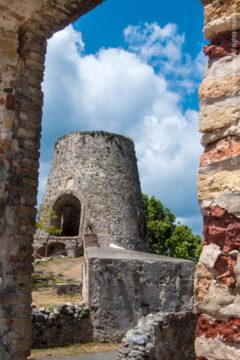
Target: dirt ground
(88, 348)
(55, 271)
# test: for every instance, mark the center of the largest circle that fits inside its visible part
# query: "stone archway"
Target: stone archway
(57, 248)
(25, 27)
(68, 214)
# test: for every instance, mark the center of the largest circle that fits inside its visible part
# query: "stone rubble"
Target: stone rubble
(160, 336)
(60, 325)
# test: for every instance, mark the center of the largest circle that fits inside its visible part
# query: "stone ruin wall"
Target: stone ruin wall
(123, 286)
(24, 28)
(61, 326)
(100, 170)
(160, 336)
(218, 272)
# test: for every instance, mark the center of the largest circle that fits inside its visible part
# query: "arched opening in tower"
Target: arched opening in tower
(67, 209)
(57, 248)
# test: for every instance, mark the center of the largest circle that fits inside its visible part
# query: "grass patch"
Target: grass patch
(73, 350)
(43, 263)
(48, 298)
(55, 271)
(41, 281)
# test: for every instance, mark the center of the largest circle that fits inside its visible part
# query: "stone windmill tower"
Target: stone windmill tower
(94, 189)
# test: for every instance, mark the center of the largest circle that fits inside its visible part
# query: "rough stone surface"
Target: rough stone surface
(202, 282)
(215, 349)
(220, 87)
(209, 255)
(212, 184)
(222, 45)
(219, 134)
(216, 117)
(160, 336)
(227, 330)
(222, 25)
(59, 326)
(220, 301)
(222, 229)
(229, 201)
(219, 68)
(100, 170)
(228, 147)
(217, 9)
(24, 28)
(125, 285)
(217, 276)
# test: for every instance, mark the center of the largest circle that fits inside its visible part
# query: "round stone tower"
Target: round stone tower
(94, 189)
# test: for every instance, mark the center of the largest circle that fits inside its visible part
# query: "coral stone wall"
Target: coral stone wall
(24, 29)
(217, 283)
(100, 169)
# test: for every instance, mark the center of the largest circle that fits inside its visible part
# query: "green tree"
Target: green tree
(45, 218)
(166, 236)
(44, 222)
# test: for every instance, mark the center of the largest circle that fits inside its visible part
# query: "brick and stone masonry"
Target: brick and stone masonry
(94, 186)
(24, 29)
(217, 281)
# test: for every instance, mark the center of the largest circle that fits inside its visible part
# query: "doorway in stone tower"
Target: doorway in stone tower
(68, 213)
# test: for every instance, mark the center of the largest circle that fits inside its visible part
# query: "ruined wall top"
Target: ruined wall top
(15, 13)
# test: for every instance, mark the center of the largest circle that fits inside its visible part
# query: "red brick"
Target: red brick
(10, 102)
(228, 331)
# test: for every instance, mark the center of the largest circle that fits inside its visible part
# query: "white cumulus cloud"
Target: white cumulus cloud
(126, 91)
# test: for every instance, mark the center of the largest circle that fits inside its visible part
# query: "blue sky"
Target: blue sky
(133, 67)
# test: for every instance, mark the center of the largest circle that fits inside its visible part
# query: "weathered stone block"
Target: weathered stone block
(217, 117)
(225, 148)
(222, 24)
(123, 286)
(220, 87)
(222, 181)
(215, 349)
(209, 255)
(202, 282)
(218, 68)
(218, 9)
(160, 336)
